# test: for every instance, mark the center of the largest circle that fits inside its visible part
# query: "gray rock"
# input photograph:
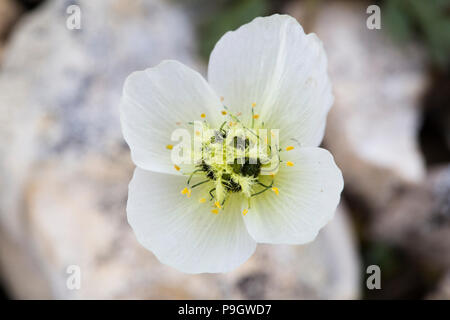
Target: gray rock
(10, 12)
(419, 221)
(65, 169)
(442, 291)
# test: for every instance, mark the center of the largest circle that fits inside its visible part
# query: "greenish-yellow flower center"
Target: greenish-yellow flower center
(233, 158)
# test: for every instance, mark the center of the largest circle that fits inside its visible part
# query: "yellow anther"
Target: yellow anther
(289, 148)
(290, 164)
(275, 189)
(197, 133)
(202, 200)
(203, 115)
(245, 212)
(256, 116)
(272, 174)
(169, 146)
(185, 191)
(253, 105)
(215, 211)
(217, 204)
(176, 167)
(224, 112)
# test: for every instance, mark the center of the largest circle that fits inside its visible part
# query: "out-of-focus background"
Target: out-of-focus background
(64, 166)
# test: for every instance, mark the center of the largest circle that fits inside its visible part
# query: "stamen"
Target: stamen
(256, 116)
(203, 115)
(221, 127)
(210, 193)
(217, 204)
(185, 191)
(263, 190)
(169, 147)
(253, 105)
(202, 200)
(224, 113)
(290, 164)
(263, 185)
(192, 174)
(253, 118)
(176, 167)
(245, 212)
(200, 183)
(189, 193)
(215, 211)
(275, 189)
(258, 193)
(221, 98)
(289, 148)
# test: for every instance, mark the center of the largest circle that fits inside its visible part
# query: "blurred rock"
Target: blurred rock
(373, 126)
(419, 221)
(19, 270)
(10, 12)
(442, 292)
(65, 169)
(435, 132)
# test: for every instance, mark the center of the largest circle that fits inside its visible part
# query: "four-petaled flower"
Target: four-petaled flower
(208, 216)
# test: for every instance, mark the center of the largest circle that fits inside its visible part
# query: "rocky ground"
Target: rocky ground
(64, 167)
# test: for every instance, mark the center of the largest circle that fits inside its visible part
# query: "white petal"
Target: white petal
(309, 193)
(182, 232)
(154, 101)
(271, 62)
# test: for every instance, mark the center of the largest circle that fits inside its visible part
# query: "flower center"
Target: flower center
(233, 159)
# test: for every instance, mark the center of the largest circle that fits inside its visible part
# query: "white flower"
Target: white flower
(269, 74)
